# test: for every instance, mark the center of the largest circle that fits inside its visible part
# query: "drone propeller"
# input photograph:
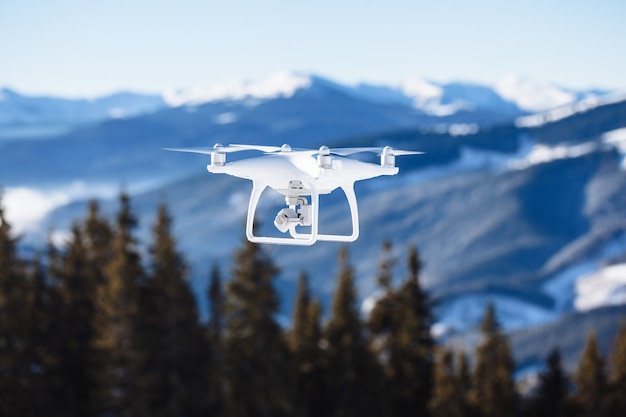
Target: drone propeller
(400, 152)
(262, 148)
(387, 150)
(217, 148)
(218, 151)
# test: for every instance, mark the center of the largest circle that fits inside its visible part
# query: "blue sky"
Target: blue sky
(74, 48)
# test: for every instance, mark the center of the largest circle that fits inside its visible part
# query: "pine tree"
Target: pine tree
(449, 396)
(400, 323)
(117, 321)
(97, 236)
(256, 357)
(387, 261)
(617, 393)
(215, 333)
(38, 351)
(353, 369)
(77, 311)
(216, 303)
(551, 397)
(173, 350)
(308, 360)
(412, 358)
(591, 379)
(298, 334)
(15, 371)
(464, 375)
(384, 318)
(80, 274)
(37, 357)
(494, 389)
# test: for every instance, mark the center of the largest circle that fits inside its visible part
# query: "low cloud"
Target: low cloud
(26, 207)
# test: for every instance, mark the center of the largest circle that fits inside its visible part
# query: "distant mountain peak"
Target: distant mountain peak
(531, 95)
(279, 84)
(421, 90)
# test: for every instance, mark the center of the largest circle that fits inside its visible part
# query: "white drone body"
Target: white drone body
(301, 176)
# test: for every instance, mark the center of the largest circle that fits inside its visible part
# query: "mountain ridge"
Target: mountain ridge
(508, 97)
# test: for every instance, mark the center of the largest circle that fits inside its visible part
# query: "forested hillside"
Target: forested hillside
(105, 327)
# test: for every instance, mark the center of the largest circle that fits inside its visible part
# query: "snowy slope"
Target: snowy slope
(617, 138)
(532, 96)
(605, 287)
(568, 109)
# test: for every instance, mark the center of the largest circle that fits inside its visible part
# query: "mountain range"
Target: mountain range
(518, 200)
(509, 96)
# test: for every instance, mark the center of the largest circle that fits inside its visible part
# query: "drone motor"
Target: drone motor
(218, 157)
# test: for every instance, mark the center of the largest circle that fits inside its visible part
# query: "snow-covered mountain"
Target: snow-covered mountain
(513, 213)
(512, 96)
(278, 85)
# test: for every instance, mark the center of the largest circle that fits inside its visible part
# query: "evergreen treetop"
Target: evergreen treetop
(494, 393)
(591, 379)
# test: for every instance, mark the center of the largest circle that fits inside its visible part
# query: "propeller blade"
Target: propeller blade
(284, 150)
(378, 150)
(204, 150)
(399, 152)
(208, 150)
(350, 151)
(262, 148)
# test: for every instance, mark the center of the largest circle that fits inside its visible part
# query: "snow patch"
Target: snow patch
(562, 286)
(531, 95)
(604, 288)
(60, 238)
(225, 118)
(462, 129)
(540, 154)
(280, 84)
(421, 91)
(470, 159)
(415, 92)
(617, 138)
(117, 113)
(558, 113)
(369, 303)
(426, 96)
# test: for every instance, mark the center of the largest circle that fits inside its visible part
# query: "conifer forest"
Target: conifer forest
(106, 327)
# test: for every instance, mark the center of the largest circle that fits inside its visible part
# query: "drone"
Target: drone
(301, 175)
